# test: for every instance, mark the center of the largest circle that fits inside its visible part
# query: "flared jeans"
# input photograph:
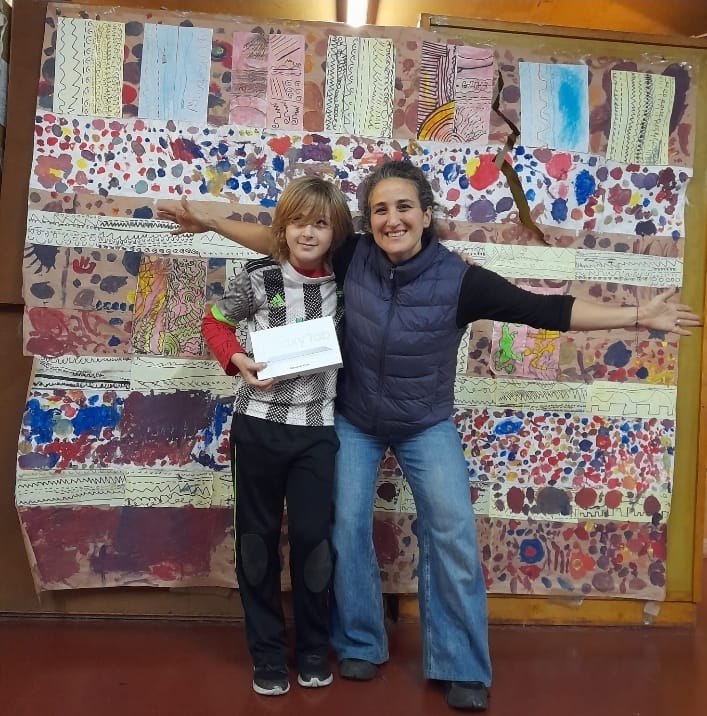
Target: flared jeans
(451, 588)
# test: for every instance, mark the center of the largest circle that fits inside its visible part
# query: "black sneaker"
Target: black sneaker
(314, 671)
(467, 695)
(269, 680)
(357, 669)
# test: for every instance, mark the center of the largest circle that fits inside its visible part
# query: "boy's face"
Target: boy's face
(309, 242)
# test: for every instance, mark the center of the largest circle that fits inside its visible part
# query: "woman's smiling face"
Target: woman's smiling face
(397, 219)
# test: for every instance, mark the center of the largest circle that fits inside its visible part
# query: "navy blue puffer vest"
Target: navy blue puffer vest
(400, 340)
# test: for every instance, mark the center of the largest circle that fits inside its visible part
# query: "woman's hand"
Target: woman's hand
(248, 368)
(660, 315)
(192, 218)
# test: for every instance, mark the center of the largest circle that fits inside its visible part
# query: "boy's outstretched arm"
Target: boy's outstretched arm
(193, 217)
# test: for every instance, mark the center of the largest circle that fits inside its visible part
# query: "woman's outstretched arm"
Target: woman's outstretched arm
(485, 294)
(658, 314)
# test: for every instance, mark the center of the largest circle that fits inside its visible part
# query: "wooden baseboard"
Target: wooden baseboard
(588, 612)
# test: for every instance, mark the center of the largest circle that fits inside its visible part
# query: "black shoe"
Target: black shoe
(467, 695)
(269, 680)
(357, 669)
(314, 671)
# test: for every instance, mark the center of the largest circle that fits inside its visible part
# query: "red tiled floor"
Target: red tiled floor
(105, 668)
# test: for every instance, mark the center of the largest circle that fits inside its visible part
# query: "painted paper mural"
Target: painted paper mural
(555, 106)
(360, 74)
(569, 438)
(89, 56)
(641, 105)
(267, 87)
(455, 92)
(174, 79)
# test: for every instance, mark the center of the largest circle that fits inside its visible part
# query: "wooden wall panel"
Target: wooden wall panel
(679, 17)
(27, 33)
(322, 10)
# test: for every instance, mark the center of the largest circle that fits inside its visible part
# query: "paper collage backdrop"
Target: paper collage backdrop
(123, 470)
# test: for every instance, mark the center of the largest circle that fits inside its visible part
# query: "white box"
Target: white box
(296, 349)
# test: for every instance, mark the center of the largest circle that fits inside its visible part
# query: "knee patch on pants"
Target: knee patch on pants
(254, 558)
(318, 567)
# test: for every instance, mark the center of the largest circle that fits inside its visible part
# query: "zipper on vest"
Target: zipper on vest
(388, 321)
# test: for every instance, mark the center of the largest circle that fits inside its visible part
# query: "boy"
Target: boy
(283, 443)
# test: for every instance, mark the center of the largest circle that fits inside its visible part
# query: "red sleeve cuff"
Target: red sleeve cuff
(222, 342)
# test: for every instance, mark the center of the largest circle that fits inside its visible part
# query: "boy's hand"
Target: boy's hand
(465, 258)
(192, 218)
(248, 368)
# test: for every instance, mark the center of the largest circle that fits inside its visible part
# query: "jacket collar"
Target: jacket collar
(407, 270)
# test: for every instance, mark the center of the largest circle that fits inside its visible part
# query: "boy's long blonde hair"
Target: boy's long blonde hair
(308, 199)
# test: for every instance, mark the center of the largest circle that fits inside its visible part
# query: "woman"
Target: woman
(408, 301)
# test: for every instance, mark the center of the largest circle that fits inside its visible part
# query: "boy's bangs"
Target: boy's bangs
(313, 208)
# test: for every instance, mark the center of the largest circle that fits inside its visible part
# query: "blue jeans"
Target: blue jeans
(451, 589)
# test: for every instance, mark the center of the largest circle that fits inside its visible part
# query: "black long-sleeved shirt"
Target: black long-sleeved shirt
(486, 295)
